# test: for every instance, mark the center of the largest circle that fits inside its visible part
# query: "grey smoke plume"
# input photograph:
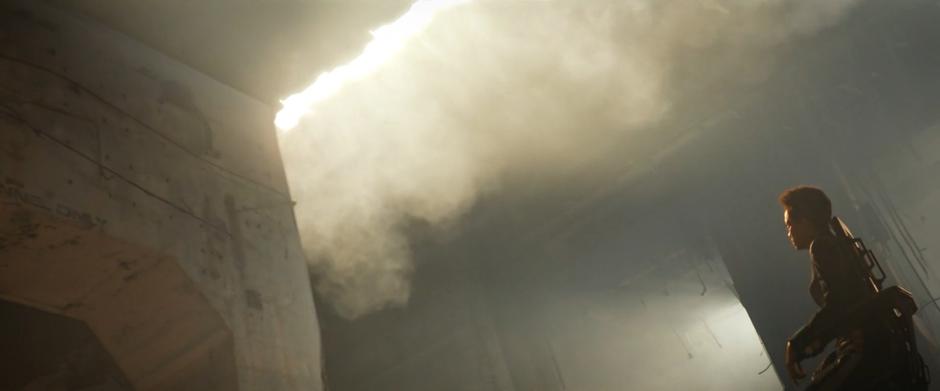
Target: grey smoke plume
(489, 88)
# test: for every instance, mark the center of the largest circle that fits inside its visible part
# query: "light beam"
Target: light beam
(386, 41)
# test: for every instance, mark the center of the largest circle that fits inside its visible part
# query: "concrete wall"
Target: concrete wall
(900, 194)
(107, 145)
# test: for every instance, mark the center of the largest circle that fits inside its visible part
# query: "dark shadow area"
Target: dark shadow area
(45, 351)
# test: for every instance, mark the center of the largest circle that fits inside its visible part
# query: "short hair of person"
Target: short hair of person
(807, 202)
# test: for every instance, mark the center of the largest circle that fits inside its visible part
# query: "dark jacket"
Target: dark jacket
(837, 287)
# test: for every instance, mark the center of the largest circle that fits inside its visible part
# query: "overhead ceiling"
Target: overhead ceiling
(266, 49)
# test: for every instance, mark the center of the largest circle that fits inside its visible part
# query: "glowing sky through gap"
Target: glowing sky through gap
(386, 41)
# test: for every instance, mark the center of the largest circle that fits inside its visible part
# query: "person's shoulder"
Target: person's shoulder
(823, 245)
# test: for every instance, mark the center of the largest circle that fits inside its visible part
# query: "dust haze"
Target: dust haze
(494, 89)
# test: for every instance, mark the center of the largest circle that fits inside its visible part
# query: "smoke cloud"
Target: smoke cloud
(490, 90)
